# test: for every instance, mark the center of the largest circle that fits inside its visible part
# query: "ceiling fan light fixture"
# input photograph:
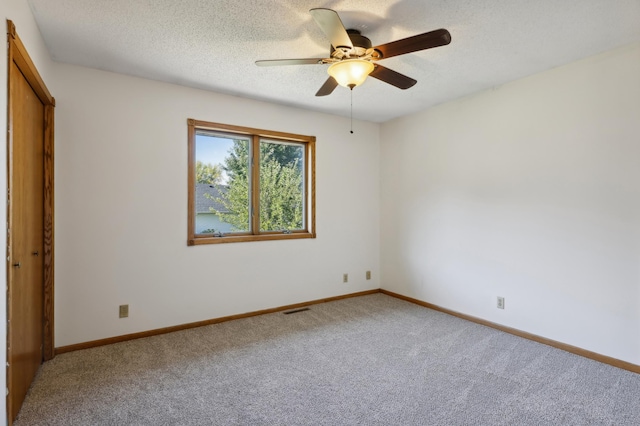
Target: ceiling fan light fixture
(350, 72)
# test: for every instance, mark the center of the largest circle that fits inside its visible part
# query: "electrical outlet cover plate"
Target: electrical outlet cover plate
(500, 302)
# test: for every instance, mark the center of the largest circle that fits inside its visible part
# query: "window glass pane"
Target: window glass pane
(222, 184)
(281, 186)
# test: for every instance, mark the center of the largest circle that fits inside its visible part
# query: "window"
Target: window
(249, 184)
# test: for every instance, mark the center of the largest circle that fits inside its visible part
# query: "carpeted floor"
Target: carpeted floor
(371, 360)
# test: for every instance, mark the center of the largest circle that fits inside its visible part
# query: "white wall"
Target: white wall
(121, 210)
(17, 11)
(531, 192)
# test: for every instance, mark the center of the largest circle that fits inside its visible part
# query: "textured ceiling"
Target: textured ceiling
(213, 44)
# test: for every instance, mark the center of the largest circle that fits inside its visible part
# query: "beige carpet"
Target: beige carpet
(371, 360)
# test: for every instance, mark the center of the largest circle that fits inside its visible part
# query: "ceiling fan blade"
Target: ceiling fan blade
(328, 87)
(392, 77)
(424, 41)
(278, 62)
(331, 25)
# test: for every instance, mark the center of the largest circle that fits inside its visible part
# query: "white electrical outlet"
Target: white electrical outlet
(345, 278)
(500, 302)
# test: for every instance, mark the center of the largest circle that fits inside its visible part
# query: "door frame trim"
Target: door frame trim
(17, 53)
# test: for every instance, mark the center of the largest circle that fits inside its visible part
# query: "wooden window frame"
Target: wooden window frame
(255, 135)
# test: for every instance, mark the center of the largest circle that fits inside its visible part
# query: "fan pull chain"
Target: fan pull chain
(352, 110)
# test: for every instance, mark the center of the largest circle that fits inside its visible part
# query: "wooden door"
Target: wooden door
(26, 309)
(30, 244)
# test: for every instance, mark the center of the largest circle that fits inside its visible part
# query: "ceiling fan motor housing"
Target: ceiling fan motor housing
(360, 44)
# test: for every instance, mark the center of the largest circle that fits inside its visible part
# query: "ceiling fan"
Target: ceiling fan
(352, 57)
